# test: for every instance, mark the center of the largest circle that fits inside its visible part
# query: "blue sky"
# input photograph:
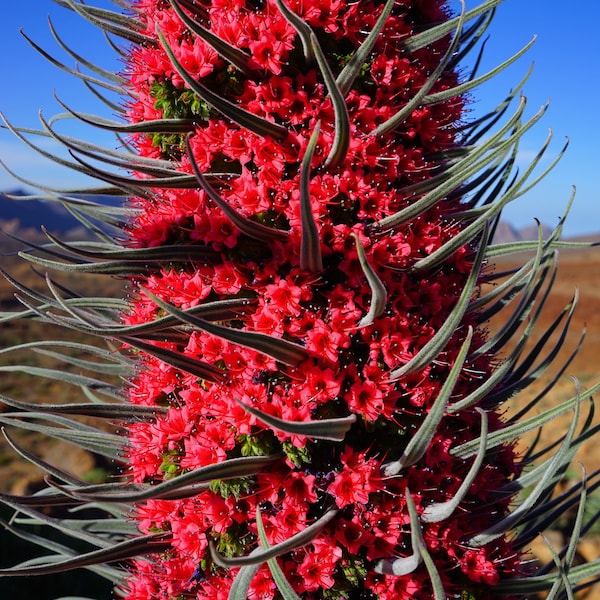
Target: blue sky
(565, 58)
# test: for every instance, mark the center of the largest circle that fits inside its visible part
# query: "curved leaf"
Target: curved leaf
(296, 541)
(238, 115)
(334, 429)
(310, 245)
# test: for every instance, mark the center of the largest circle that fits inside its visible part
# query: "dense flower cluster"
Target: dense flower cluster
(346, 360)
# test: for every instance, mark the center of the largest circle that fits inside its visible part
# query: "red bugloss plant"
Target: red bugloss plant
(316, 409)
(332, 313)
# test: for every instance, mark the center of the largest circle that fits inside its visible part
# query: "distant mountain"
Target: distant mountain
(16, 216)
(19, 215)
(506, 233)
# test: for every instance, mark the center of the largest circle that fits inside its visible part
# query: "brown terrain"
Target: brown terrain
(579, 269)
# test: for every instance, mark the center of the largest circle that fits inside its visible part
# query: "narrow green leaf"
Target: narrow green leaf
(473, 83)
(255, 230)
(40, 463)
(110, 21)
(149, 544)
(431, 35)
(75, 166)
(509, 434)
(241, 584)
(59, 375)
(477, 158)
(296, 541)
(405, 566)
(507, 290)
(530, 295)
(283, 585)
(220, 310)
(121, 156)
(117, 89)
(113, 267)
(341, 141)
(378, 291)
(561, 582)
(63, 525)
(419, 442)
(477, 129)
(235, 56)
(105, 73)
(514, 518)
(435, 345)
(362, 54)
(440, 511)
(227, 469)
(469, 39)
(95, 443)
(310, 245)
(574, 539)
(280, 349)
(302, 28)
(180, 361)
(326, 429)
(106, 410)
(418, 99)
(520, 377)
(150, 126)
(500, 374)
(108, 356)
(163, 254)
(45, 500)
(109, 573)
(134, 185)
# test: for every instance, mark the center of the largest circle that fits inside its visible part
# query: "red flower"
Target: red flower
(478, 568)
(354, 483)
(365, 399)
(324, 342)
(318, 567)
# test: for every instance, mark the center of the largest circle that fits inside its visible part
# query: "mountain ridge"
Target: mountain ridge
(20, 214)
(25, 218)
